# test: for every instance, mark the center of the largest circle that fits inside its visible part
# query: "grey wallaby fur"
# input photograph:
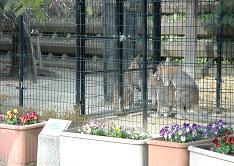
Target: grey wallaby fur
(175, 88)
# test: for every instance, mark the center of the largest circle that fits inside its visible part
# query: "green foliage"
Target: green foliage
(211, 19)
(89, 11)
(179, 60)
(104, 129)
(224, 148)
(32, 7)
(225, 142)
(226, 61)
(178, 17)
(201, 60)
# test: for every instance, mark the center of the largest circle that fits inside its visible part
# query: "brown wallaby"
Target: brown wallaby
(131, 84)
(178, 88)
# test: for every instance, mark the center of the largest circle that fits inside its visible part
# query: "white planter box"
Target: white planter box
(202, 157)
(89, 150)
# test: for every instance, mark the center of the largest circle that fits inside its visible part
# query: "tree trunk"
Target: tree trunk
(38, 48)
(14, 57)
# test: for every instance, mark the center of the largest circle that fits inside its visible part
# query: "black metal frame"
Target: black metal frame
(119, 23)
(114, 57)
(219, 58)
(156, 33)
(80, 55)
(21, 61)
(144, 78)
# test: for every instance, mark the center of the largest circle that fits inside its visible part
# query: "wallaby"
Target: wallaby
(163, 97)
(180, 87)
(131, 85)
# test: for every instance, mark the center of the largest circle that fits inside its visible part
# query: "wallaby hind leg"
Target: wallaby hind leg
(180, 114)
(130, 99)
(116, 99)
(160, 110)
(159, 106)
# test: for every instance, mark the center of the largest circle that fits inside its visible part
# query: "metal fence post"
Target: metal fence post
(156, 33)
(83, 13)
(130, 32)
(21, 61)
(106, 51)
(108, 30)
(219, 39)
(119, 22)
(80, 55)
(191, 50)
(144, 40)
(78, 43)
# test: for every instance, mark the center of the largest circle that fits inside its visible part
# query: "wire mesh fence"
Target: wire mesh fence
(132, 62)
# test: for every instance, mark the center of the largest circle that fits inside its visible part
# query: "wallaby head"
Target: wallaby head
(134, 72)
(165, 73)
(132, 83)
(136, 62)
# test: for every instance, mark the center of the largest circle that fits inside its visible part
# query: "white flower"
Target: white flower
(187, 129)
(169, 135)
(183, 138)
(88, 130)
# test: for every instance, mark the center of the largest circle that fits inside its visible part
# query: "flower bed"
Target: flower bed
(100, 144)
(102, 129)
(18, 138)
(224, 143)
(17, 117)
(172, 147)
(220, 152)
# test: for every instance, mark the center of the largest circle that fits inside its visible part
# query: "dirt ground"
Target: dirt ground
(58, 93)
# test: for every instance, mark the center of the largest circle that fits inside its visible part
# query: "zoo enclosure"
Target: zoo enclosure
(88, 52)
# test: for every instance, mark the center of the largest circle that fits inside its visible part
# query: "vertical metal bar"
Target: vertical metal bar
(156, 33)
(21, 61)
(190, 52)
(219, 56)
(119, 22)
(144, 40)
(108, 30)
(80, 55)
(83, 57)
(78, 50)
(106, 51)
(130, 32)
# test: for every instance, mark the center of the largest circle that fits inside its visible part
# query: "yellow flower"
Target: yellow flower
(8, 113)
(180, 132)
(117, 129)
(15, 111)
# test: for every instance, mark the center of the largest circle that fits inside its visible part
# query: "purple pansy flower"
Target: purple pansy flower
(188, 133)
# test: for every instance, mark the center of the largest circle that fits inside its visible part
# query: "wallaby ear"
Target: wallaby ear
(139, 58)
(154, 70)
(133, 58)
